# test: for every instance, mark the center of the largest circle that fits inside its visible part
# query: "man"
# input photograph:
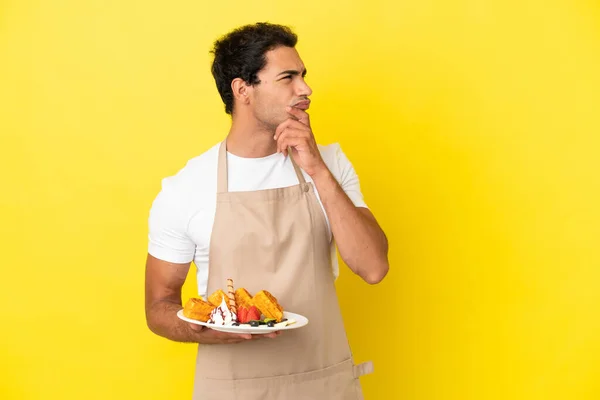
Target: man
(264, 208)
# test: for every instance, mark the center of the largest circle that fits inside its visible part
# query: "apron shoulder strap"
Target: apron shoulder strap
(296, 168)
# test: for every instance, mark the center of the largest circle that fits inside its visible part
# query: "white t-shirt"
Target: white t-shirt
(182, 215)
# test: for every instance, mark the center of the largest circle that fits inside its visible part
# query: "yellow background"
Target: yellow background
(474, 127)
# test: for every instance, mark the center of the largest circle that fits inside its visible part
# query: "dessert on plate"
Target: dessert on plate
(237, 307)
(196, 308)
(216, 298)
(268, 305)
(243, 298)
(222, 315)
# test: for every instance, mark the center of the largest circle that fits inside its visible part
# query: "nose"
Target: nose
(304, 90)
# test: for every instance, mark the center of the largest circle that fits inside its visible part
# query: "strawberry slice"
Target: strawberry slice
(253, 314)
(242, 315)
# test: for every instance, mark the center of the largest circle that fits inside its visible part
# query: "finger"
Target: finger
(282, 127)
(229, 336)
(258, 336)
(239, 336)
(295, 142)
(288, 123)
(195, 327)
(284, 144)
(288, 133)
(301, 115)
(295, 129)
(231, 341)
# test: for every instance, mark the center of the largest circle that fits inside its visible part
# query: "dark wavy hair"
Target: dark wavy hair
(241, 54)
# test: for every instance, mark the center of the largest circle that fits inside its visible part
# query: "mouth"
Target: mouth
(303, 105)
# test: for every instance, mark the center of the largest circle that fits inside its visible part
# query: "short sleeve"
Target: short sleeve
(347, 177)
(168, 239)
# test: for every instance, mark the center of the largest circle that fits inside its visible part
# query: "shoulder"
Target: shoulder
(194, 175)
(185, 190)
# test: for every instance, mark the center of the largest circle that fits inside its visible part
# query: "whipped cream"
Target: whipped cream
(222, 315)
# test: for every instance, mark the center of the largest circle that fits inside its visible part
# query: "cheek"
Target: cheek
(281, 94)
(270, 104)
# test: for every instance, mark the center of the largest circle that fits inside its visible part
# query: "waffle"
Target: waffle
(243, 298)
(217, 297)
(198, 309)
(268, 305)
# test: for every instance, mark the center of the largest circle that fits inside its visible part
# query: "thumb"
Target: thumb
(196, 328)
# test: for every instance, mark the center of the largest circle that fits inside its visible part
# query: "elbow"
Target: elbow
(380, 267)
(377, 274)
(150, 324)
(151, 321)
(155, 328)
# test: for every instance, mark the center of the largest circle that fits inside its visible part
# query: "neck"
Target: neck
(249, 139)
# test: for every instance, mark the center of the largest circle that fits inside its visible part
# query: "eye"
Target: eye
(287, 77)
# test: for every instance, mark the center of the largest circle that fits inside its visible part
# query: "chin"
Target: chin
(271, 122)
(269, 126)
(274, 123)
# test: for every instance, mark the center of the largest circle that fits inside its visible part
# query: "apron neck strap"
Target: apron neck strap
(222, 185)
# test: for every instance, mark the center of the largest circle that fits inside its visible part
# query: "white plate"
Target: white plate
(300, 322)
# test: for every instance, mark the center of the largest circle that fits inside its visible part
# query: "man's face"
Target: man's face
(281, 84)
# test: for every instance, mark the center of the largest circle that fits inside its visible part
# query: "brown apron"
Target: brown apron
(277, 240)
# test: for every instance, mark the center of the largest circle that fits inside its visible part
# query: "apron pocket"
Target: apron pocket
(338, 382)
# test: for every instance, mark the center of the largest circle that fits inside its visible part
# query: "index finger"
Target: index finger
(227, 335)
(301, 115)
(270, 335)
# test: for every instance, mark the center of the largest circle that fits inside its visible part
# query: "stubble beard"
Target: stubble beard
(268, 123)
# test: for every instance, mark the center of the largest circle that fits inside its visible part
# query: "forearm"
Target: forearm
(362, 243)
(162, 320)
(164, 281)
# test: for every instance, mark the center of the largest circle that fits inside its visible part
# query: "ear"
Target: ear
(240, 91)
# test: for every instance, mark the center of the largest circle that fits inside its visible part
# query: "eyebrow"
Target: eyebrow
(292, 72)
